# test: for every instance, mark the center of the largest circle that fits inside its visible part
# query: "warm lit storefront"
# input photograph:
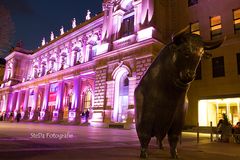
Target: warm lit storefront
(211, 110)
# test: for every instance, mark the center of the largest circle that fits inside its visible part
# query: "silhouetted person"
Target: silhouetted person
(11, 117)
(18, 116)
(87, 115)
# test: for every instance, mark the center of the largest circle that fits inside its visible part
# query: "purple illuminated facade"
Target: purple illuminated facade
(95, 66)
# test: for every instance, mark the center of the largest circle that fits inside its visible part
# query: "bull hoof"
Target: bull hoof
(174, 156)
(161, 147)
(143, 154)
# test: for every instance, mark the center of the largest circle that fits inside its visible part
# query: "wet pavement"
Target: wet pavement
(38, 141)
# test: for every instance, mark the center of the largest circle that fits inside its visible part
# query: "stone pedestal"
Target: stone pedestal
(26, 116)
(35, 115)
(74, 117)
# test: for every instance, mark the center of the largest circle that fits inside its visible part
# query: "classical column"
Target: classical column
(58, 113)
(132, 86)
(7, 103)
(117, 23)
(74, 113)
(25, 105)
(34, 112)
(13, 103)
(19, 100)
(44, 114)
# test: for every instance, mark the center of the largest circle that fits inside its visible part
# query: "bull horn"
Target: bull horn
(209, 45)
(181, 32)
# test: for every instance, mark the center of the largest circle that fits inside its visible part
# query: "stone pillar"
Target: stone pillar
(13, 103)
(34, 112)
(7, 103)
(131, 111)
(19, 100)
(44, 114)
(58, 111)
(99, 101)
(137, 15)
(25, 105)
(74, 113)
(117, 23)
(109, 100)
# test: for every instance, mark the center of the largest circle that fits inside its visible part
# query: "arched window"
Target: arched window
(87, 103)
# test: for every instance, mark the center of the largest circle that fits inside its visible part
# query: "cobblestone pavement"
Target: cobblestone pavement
(36, 141)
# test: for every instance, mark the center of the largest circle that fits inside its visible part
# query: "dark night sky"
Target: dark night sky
(35, 19)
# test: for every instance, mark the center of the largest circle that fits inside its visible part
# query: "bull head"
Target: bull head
(187, 53)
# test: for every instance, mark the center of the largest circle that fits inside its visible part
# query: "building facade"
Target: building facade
(97, 64)
(217, 88)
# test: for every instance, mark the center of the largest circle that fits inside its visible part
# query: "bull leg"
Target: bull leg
(159, 142)
(173, 140)
(144, 141)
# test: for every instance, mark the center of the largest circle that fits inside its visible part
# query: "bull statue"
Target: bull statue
(161, 95)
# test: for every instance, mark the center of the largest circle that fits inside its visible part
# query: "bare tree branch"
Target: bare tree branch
(6, 30)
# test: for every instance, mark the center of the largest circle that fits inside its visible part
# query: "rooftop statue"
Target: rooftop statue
(161, 95)
(43, 41)
(52, 36)
(74, 23)
(62, 31)
(88, 15)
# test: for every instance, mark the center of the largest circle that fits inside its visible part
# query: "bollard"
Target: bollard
(211, 134)
(198, 132)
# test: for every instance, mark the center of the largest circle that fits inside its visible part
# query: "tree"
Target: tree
(6, 30)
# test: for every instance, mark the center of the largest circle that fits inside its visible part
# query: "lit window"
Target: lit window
(218, 67)
(192, 2)
(236, 21)
(216, 27)
(87, 100)
(195, 28)
(127, 26)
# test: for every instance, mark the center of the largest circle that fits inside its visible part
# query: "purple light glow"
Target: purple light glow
(76, 89)
(59, 99)
(45, 98)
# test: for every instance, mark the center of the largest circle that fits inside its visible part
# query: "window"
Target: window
(127, 26)
(218, 67)
(236, 21)
(216, 27)
(199, 72)
(195, 28)
(192, 2)
(238, 62)
(87, 100)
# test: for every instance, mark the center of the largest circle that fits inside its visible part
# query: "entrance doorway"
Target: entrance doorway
(121, 95)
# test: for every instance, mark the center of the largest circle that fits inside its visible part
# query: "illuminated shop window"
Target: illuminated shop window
(218, 67)
(127, 26)
(236, 21)
(192, 2)
(195, 28)
(216, 27)
(211, 110)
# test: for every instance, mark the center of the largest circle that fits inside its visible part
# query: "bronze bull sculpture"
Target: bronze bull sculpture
(161, 95)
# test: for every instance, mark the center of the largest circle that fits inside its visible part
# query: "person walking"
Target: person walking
(18, 116)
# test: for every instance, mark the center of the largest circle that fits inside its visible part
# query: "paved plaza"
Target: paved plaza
(38, 141)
